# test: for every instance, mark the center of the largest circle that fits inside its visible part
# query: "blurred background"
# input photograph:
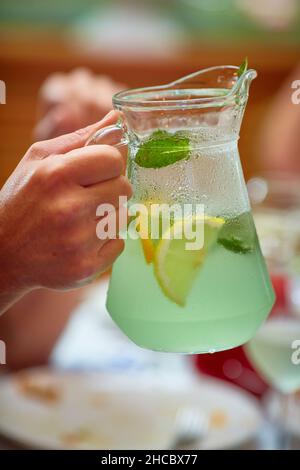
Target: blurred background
(129, 43)
(143, 42)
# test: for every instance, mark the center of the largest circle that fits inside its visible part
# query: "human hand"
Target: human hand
(70, 101)
(48, 213)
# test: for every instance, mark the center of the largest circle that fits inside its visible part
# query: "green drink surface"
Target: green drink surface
(229, 298)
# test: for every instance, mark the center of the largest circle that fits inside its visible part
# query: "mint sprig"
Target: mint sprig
(162, 149)
(243, 67)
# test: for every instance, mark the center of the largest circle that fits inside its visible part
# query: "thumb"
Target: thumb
(74, 140)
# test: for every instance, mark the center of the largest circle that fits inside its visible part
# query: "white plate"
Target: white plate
(48, 409)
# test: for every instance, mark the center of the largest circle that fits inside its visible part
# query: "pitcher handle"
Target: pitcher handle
(110, 135)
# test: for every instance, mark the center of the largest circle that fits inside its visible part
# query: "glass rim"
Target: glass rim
(129, 98)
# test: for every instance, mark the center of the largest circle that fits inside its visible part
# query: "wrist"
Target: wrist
(12, 285)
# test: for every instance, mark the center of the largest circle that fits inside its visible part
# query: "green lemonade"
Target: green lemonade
(167, 298)
(221, 310)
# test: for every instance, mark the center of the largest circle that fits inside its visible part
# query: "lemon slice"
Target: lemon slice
(175, 266)
(144, 229)
(148, 249)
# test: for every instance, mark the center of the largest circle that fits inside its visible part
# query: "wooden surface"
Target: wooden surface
(25, 63)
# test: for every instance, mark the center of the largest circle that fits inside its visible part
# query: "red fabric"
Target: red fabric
(233, 365)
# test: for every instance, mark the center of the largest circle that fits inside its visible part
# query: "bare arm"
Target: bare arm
(33, 323)
(48, 214)
(31, 327)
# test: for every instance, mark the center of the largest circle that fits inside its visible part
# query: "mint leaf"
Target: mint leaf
(235, 244)
(238, 234)
(243, 67)
(162, 149)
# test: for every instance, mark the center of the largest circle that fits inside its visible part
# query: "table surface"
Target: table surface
(265, 441)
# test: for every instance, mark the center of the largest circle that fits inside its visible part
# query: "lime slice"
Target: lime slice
(175, 266)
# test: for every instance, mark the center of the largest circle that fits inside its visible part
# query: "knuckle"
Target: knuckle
(80, 133)
(50, 173)
(37, 176)
(69, 213)
(38, 151)
(55, 171)
(63, 215)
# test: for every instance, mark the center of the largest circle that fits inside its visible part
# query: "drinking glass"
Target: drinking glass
(275, 350)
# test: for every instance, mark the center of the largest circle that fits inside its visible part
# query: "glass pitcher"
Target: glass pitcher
(182, 149)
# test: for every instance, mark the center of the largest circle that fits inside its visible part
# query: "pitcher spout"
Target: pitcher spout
(241, 88)
(213, 100)
(208, 88)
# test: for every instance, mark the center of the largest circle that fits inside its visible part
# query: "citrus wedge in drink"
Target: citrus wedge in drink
(175, 266)
(148, 249)
(144, 230)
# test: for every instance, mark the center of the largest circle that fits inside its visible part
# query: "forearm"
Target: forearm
(31, 327)
(10, 290)
(7, 300)
(48, 209)
(11, 273)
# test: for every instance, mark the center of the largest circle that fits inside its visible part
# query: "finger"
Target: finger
(94, 233)
(111, 137)
(67, 142)
(93, 164)
(109, 252)
(100, 261)
(107, 194)
(112, 225)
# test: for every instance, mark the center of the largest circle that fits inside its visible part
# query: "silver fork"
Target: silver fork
(191, 426)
